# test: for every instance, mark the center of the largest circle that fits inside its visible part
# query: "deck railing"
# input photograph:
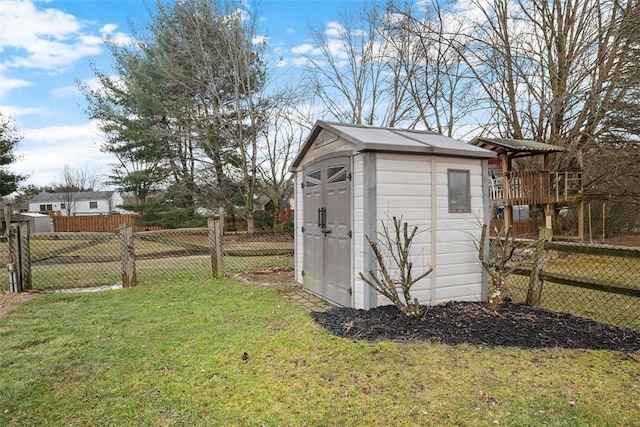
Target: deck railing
(531, 188)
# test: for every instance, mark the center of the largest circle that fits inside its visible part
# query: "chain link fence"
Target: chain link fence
(247, 252)
(96, 260)
(593, 281)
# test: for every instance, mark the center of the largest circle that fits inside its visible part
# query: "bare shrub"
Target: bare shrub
(394, 248)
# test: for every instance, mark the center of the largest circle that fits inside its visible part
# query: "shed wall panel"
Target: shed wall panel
(298, 223)
(458, 272)
(404, 190)
(358, 232)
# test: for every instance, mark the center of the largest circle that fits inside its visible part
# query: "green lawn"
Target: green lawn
(169, 354)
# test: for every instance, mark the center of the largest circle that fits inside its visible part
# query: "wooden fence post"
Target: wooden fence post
(25, 257)
(19, 257)
(221, 217)
(534, 292)
(127, 255)
(215, 247)
(15, 284)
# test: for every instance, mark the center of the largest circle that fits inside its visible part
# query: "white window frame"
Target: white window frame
(459, 203)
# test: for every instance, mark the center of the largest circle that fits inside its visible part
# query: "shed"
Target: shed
(350, 178)
(38, 223)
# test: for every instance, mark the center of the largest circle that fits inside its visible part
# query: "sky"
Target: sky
(47, 46)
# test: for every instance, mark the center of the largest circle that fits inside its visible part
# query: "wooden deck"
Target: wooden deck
(534, 188)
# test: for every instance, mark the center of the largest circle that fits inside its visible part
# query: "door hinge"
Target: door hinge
(303, 229)
(349, 176)
(350, 291)
(302, 185)
(350, 234)
(302, 273)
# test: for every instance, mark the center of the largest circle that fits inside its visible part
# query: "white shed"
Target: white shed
(349, 178)
(38, 223)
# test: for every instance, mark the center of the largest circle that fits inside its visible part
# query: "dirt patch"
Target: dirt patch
(273, 276)
(10, 302)
(454, 323)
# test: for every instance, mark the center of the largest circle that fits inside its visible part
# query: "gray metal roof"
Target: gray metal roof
(79, 196)
(520, 146)
(372, 138)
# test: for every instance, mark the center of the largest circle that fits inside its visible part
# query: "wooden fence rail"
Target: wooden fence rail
(613, 252)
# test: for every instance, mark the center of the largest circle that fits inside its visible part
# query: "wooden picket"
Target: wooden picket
(96, 223)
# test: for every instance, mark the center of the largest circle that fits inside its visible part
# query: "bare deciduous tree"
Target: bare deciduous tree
(434, 75)
(552, 71)
(287, 128)
(354, 72)
(73, 182)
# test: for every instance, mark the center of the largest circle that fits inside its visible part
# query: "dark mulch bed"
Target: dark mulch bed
(453, 323)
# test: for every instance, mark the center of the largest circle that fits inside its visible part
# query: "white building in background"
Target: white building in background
(78, 203)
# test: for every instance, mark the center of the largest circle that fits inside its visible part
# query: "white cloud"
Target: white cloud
(109, 32)
(7, 84)
(302, 62)
(63, 92)
(45, 151)
(52, 135)
(302, 49)
(336, 47)
(14, 111)
(108, 28)
(92, 83)
(42, 38)
(290, 31)
(334, 29)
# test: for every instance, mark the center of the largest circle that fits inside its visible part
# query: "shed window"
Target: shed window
(93, 205)
(63, 206)
(459, 184)
(312, 179)
(43, 207)
(336, 174)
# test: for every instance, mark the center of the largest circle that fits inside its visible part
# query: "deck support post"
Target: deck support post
(549, 212)
(581, 221)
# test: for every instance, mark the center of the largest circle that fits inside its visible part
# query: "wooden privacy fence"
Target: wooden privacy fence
(96, 223)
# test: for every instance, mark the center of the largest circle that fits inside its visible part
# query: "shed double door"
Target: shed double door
(327, 229)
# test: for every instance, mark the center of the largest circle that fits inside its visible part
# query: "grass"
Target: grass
(170, 354)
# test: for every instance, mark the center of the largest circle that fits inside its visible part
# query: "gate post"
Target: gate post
(19, 267)
(15, 281)
(127, 256)
(25, 256)
(215, 247)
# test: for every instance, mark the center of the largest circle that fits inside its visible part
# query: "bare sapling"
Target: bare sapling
(494, 255)
(392, 252)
